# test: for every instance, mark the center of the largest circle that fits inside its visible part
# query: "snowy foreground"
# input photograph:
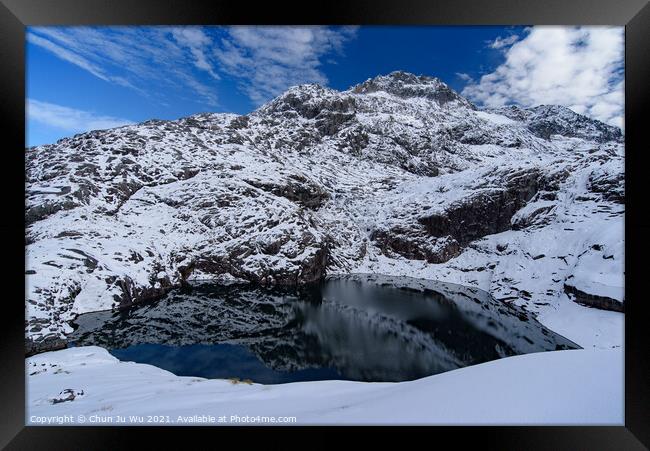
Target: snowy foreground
(561, 387)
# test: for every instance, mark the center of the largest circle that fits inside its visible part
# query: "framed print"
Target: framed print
(268, 219)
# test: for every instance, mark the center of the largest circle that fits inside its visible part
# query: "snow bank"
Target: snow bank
(561, 387)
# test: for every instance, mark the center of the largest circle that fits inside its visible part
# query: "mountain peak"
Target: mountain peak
(406, 85)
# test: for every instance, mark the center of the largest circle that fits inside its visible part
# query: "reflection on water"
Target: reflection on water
(361, 327)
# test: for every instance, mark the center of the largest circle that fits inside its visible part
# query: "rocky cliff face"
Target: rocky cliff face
(399, 175)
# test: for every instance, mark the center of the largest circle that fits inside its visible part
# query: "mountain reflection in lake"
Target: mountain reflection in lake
(360, 327)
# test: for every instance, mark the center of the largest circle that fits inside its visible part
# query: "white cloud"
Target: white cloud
(66, 55)
(70, 119)
(198, 43)
(263, 60)
(268, 60)
(136, 57)
(500, 42)
(463, 76)
(578, 67)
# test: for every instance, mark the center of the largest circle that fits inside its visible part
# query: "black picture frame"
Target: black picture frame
(633, 14)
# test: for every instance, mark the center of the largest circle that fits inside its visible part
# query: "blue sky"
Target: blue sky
(81, 78)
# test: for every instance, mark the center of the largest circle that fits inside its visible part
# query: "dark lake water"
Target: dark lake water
(362, 327)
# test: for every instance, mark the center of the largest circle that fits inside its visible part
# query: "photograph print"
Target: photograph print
(324, 225)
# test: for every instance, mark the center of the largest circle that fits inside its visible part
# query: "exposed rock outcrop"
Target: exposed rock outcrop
(593, 300)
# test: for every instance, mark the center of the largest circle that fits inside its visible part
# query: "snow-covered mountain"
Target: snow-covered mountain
(398, 175)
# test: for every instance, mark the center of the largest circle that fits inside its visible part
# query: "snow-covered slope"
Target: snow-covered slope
(88, 386)
(397, 175)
